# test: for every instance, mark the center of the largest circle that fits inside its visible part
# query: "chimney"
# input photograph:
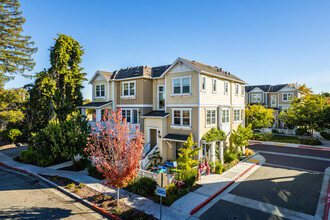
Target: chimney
(229, 73)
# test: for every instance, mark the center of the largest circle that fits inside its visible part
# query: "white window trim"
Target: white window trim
(181, 126)
(271, 104)
(243, 90)
(225, 109)
(216, 85)
(215, 121)
(203, 77)
(100, 97)
(287, 93)
(128, 96)
(131, 110)
(158, 96)
(226, 83)
(181, 86)
(254, 101)
(236, 89)
(239, 115)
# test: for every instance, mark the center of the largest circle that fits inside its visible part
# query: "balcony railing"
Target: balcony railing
(93, 124)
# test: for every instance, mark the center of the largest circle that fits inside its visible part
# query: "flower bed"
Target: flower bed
(106, 202)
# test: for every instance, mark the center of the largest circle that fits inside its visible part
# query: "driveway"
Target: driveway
(24, 197)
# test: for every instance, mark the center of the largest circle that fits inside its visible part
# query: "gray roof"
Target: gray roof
(94, 104)
(176, 137)
(265, 88)
(106, 75)
(160, 114)
(212, 69)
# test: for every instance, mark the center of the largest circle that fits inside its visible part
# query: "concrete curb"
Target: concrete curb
(68, 193)
(311, 147)
(327, 205)
(222, 189)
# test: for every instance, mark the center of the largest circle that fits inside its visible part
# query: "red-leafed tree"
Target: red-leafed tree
(115, 150)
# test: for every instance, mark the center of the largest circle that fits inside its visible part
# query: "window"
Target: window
(204, 149)
(214, 85)
(226, 87)
(242, 92)
(236, 89)
(286, 96)
(131, 115)
(99, 90)
(161, 97)
(256, 97)
(210, 117)
(181, 85)
(203, 83)
(225, 116)
(237, 114)
(181, 117)
(129, 88)
(273, 100)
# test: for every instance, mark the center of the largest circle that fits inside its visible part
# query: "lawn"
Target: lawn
(284, 139)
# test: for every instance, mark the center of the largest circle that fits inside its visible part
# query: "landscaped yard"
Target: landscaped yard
(284, 139)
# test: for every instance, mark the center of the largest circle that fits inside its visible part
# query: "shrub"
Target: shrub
(212, 166)
(313, 142)
(172, 194)
(70, 186)
(13, 134)
(301, 131)
(262, 136)
(248, 152)
(274, 131)
(325, 134)
(143, 186)
(93, 172)
(188, 177)
(218, 167)
(230, 156)
(29, 156)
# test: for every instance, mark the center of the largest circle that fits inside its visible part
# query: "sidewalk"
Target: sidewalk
(180, 209)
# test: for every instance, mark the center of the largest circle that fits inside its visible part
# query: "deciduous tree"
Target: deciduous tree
(115, 150)
(302, 88)
(241, 136)
(185, 160)
(15, 49)
(259, 116)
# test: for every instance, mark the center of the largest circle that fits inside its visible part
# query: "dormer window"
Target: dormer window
(128, 89)
(100, 90)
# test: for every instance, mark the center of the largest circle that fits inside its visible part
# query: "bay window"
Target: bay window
(131, 115)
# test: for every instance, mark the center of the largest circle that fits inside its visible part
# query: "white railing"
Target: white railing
(134, 126)
(144, 173)
(266, 130)
(145, 160)
(146, 149)
(287, 131)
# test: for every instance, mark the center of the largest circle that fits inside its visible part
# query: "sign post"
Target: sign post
(161, 191)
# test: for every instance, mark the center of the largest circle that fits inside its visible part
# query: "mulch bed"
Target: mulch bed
(106, 202)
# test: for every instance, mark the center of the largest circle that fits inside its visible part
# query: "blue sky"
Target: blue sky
(261, 42)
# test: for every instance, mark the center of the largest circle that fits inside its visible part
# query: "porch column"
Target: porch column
(98, 115)
(83, 111)
(212, 152)
(221, 151)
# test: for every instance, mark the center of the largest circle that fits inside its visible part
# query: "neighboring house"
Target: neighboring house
(172, 101)
(277, 97)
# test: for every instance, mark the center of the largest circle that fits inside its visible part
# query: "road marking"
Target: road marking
(253, 160)
(294, 155)
(280, 144)
(293, 168)
(266, 207)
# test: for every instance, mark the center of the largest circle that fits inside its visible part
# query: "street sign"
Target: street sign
(161, 191)
(162, 181)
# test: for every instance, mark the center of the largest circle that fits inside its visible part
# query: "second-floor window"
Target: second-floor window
(214, 85)
(225, 116)
(203, 83)
(256, 97)
(210, 117)
(129, 88)
(99, 90)
(181, 85)
(286, 96)
(131, 115)
(236, 89)
(242, 92)
(237, 114)
(226, 87)
(273, 100)
(181, 117)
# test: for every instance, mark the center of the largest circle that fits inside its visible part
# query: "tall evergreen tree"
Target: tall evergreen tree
(15, 48)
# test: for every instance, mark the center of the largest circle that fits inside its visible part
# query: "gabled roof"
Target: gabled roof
(266, 88)
(104, 74)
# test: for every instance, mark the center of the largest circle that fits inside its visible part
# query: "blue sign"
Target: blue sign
(161, 191)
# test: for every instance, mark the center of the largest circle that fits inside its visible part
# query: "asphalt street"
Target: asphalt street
(24, 197)
(287, 186)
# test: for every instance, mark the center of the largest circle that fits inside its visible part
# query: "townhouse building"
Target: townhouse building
(277, 97)
(170, 102)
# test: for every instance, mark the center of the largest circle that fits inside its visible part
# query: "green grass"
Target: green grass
(293, 140)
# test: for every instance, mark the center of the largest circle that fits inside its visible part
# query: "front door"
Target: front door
(161, 97)
(152, 137)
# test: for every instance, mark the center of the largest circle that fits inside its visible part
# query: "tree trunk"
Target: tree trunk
(117, 197)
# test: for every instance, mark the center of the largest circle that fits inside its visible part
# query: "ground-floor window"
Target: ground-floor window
(131, 115)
